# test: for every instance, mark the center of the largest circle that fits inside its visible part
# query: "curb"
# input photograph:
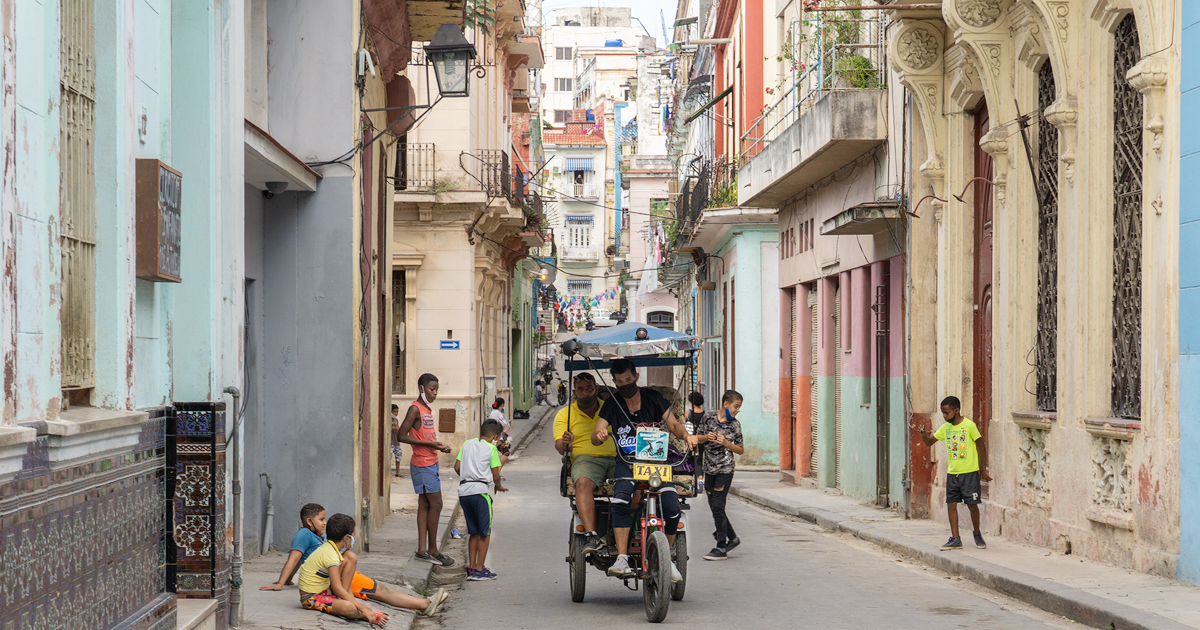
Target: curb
(1074, 604)
(534, 428)
(416, 573)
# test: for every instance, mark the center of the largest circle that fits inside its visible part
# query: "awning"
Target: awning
(726, 92)
(580, 219)
(579, 164)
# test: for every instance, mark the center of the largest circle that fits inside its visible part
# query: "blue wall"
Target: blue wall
(1189, 302)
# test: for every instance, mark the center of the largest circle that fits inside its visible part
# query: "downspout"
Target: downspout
(269, 528)
(235, 577)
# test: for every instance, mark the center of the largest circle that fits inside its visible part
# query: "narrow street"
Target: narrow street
(785, 571)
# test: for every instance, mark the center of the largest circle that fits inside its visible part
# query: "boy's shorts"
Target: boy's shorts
(964, 488)
(598, 468)
(425, 479)
(361, 587)
(477, 509)
(397, 452)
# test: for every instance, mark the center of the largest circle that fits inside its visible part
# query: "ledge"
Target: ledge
(12, 436)
(1034, 419)
(1116, 428)
(1111, 517)
(83, 420)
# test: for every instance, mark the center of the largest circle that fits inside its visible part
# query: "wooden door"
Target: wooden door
(981, 409)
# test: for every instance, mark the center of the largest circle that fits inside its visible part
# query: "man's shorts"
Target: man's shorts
(397, 452)
(361, 587)
(477, 509)
(598, 468)
(425, 479)
(964, 488)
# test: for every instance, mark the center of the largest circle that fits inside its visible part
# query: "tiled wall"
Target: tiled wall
(196, 462)
(82, 543)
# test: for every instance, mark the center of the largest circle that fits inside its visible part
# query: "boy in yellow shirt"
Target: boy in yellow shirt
(965, 452)
(591, 465)
(328, 582)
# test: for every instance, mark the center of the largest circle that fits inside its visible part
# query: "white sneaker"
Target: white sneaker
(675, 575)
(620, 568)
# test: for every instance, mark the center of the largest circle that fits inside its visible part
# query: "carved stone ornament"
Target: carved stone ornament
(919, 48)
(1149, 77)
(978, 13)
(1063, 114)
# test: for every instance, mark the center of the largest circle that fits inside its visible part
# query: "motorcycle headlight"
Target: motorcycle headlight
(655, 481)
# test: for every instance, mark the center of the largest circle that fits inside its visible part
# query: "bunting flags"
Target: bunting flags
(576, 308)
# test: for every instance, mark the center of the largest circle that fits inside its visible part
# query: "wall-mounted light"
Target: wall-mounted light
(451, 54)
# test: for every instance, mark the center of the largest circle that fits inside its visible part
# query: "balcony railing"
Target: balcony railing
(844, 51)
(709, 184)
(578, 253)
(585, 191)
(415, 167)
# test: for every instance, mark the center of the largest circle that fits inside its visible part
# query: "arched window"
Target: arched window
(1127, 227)
(661, 319)
(1047, 198)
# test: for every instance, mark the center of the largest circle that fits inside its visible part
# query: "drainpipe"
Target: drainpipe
(269, 529)
(235, 578)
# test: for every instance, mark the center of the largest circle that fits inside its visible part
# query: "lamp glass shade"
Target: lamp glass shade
(450, 68)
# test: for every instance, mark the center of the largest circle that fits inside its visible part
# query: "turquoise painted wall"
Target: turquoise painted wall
(760, 419)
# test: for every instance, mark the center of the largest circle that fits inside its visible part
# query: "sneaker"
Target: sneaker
(717, 553)
(954, 543)
(732, 544)
(424, 555)
(473, 575)
(979, 541)
(435, 602)
(592, 543)
(487, 574)
(676, 576)
(620, 568)
(443, 560)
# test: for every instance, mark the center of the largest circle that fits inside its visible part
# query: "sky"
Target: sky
(645, 10)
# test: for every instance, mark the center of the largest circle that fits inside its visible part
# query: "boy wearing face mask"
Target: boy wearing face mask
(591, 465)
(419, 431)
(722, 434)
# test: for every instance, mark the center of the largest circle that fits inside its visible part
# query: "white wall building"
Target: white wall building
(574, 29)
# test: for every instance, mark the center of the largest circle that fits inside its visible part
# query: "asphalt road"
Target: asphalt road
(785, 574)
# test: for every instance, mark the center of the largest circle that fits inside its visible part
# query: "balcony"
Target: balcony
(578, 254)
(415, 170)
(830, 110)
(583, 191)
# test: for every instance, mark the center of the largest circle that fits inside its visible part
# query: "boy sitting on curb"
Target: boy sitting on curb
(329, 583)
(307, 539)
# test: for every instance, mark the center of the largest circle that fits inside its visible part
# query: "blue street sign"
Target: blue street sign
(449, 344)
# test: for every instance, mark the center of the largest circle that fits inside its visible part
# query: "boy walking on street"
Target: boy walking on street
(722, 433)
(478, 464)
(419, 431)
(967, 465)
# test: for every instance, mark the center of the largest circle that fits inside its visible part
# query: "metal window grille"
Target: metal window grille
(793, 373)
(414, 166)
(399, 321)
(661, 319)
(579, 287)
(1127, 227)
(77, 192)
(1047, 194)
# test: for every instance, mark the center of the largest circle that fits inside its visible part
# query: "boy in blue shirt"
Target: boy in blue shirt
(307, 539)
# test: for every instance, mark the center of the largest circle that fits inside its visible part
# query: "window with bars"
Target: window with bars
(661, 319)
(399, 322)
(564, 54)
(1047, 198)
(77, 192)
(562, 85)
(579, 287)
(1127, 226)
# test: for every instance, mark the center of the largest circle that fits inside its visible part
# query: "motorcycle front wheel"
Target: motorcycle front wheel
(656, 588)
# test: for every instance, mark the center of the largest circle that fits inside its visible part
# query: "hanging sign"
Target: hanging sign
(159, 189)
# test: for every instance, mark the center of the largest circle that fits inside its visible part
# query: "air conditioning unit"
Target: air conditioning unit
(554, 170)
(620, 265)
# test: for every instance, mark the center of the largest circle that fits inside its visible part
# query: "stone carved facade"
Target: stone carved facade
(990, 53)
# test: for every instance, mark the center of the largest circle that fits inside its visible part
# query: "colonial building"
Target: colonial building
(1041, 183)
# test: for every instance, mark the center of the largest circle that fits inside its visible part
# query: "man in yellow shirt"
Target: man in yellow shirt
(964, 452)
(591, 465)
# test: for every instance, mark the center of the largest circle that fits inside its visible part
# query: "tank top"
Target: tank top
(423, 430)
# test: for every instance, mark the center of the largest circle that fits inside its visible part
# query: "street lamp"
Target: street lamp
(450, 53)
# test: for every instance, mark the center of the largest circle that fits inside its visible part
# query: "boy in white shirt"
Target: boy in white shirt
(478, 464)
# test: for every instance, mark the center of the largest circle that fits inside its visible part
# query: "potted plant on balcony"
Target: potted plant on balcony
(856, 72)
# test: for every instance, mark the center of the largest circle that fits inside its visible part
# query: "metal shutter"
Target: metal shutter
(794, 373)
(812, 371)
(837, 386)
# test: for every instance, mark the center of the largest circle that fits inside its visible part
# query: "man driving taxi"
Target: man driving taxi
(591, 465)
(634, 407)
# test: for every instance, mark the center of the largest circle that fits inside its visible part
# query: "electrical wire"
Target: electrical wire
(570, 273)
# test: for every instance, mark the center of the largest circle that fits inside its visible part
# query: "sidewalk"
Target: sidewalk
(390, 560)
(1090, 593)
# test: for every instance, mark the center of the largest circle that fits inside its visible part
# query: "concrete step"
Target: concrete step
(196, 614)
